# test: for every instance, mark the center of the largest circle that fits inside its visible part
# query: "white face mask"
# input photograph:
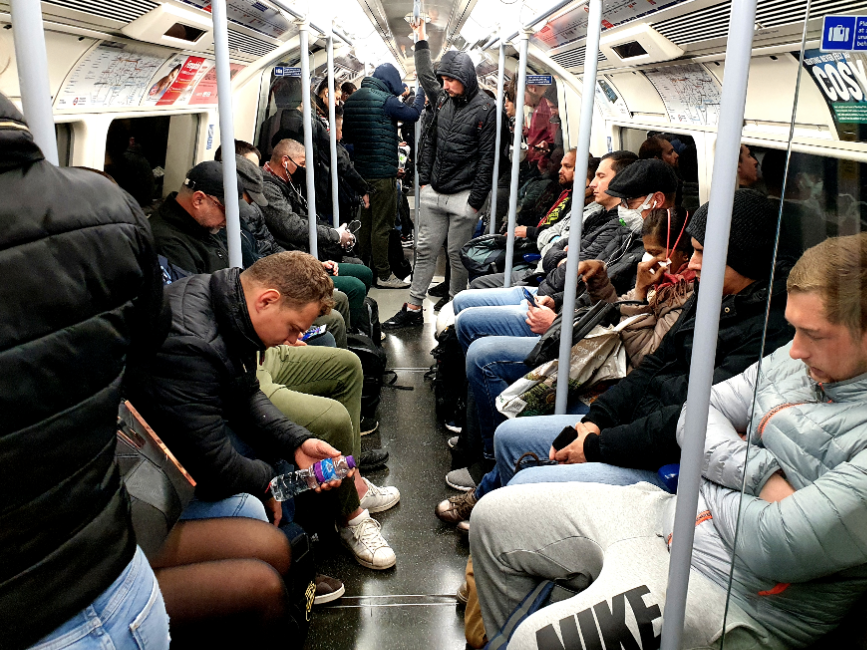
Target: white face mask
(647, 257)
(633, 218)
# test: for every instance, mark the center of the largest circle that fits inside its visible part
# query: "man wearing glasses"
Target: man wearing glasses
(186, 223)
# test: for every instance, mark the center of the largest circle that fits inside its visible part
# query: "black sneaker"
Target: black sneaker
(372, 460)
(442, 302)
(404, 318)
(439, 290)
(368, 425)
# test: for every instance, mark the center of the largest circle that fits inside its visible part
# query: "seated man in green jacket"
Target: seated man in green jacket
(790, 430)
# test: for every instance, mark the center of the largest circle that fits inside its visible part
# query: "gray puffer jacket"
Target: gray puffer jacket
(802, 562)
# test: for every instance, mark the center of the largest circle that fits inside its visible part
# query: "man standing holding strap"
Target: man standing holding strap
(455, 170)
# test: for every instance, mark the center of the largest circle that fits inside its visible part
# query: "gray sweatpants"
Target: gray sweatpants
(605, 542)
(441, 215)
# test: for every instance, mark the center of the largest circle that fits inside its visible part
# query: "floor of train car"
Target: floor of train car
(411, 605)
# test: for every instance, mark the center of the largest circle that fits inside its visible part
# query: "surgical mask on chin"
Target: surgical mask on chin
(632, 217)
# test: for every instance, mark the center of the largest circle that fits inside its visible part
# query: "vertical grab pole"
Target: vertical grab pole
(332, 123)
(227, 131)
(32, 63)
(501, 73)
(416, 16)
(523, 44)
(303, 32)
(594, 28)
(730, 130)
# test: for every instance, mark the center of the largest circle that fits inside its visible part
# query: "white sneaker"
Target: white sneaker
(378, 498)
(367, 544)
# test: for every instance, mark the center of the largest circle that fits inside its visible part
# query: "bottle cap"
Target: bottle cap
(350, 462)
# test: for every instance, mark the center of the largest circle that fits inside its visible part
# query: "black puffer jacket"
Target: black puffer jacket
(202, 387)
(638, 417)
(619, 247)
(459, 154)
(81, 292)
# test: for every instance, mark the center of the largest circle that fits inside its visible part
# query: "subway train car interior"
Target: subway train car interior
(311, 338)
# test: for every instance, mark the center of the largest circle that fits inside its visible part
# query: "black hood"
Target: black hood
(459, 65)
(17, 147)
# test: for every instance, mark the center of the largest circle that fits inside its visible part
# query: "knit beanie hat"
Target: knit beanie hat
(753, 231)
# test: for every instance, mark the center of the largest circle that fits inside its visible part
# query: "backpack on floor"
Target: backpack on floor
(369, 325)
(373, 361)
(449, 375)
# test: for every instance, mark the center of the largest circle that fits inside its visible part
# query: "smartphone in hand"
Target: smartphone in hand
(531, 298)
(316, 330)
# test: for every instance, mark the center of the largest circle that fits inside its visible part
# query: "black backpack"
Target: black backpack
(373, 362)
(369, 323)
(449, 375)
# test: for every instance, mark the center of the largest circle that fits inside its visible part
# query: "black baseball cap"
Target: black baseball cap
(207, 177)
(643, 177)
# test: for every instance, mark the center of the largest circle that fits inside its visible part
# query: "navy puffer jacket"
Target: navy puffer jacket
(459, 152)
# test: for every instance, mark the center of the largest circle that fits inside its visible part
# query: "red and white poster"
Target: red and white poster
(173, 84)
(206, 90)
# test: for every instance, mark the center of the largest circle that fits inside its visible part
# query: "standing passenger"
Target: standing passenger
(370, 120)
(81, 293)
(455, 170)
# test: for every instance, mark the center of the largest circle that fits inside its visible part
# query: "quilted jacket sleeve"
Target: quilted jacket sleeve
(725, 452)
(485, 166)
(819, 530)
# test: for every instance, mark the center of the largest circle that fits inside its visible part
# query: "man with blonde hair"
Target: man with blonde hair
(785, 473)
(203, 395)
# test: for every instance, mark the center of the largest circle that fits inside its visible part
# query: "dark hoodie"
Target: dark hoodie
(459, 153)
(81, 295)
(370, 119)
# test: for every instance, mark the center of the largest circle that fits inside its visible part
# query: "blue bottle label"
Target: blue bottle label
(328, 472)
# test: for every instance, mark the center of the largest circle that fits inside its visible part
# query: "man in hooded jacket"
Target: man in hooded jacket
(370, 119)
(455, 170)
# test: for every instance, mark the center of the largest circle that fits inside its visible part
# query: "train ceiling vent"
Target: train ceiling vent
(638, 45)
(575, 58)
(239, 42)
(713, 22)
(173, 26)
(124, 12)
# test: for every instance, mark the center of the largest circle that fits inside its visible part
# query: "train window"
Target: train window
(63, 133)
(135, 155)
(681, 154)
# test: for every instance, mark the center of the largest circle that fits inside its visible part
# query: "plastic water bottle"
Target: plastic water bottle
(286, 486)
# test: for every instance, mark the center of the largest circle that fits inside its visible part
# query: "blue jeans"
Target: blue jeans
(493, 363)
(491, 312)
(240, 505)
(129, 615)
(516, 437)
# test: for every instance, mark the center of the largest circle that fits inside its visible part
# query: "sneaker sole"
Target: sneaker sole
(371, 565)
(385, 286)
(453, 428)
(327, 598)
(367, 433)
(386, 506)
(462, 488)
